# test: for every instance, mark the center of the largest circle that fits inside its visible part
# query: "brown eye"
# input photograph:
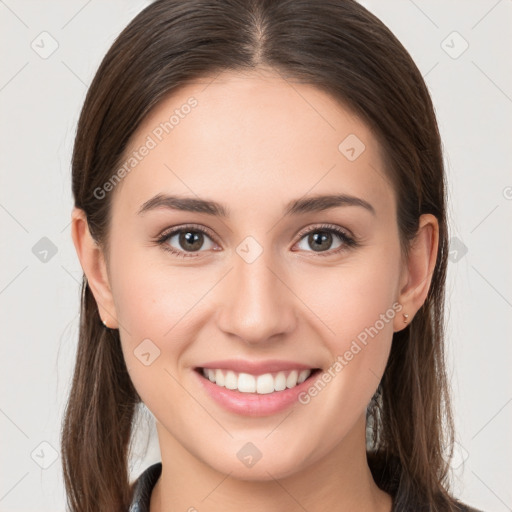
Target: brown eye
(186, 241)
(190, 240)
(321, 240)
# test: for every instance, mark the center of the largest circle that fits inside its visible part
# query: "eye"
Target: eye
(321, 238)
(191, 239)
(188, 239)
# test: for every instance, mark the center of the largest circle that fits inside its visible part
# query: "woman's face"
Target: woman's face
(268, 282)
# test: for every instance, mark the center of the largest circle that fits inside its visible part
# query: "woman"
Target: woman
(260, 216)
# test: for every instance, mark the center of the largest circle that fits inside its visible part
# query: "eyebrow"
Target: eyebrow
(295, 207)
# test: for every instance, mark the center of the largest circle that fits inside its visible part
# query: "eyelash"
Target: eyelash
(348, 241)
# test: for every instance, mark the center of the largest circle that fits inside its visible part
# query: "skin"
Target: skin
(291, 303)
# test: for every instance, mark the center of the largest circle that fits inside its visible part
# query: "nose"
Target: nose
(257, 304)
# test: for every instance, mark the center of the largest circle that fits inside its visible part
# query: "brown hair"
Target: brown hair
(346, 51)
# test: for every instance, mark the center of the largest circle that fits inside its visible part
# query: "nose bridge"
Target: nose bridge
(256, 305)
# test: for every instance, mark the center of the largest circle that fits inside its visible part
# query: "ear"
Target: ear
(417, 272)
(94, 266)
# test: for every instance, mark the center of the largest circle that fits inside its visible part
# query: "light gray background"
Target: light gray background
(40, 99)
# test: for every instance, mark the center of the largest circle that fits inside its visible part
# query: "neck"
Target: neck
(339, 481)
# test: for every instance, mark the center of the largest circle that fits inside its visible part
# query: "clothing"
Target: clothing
(143, 487)
(148, 478)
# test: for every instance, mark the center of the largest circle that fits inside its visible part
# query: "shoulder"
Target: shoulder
(142, 488)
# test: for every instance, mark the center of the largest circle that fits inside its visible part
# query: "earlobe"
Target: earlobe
(94, 266)
(417, 274)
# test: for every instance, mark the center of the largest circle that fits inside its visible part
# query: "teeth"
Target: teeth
(265, 384)
(280, 382)
(231, 380)
(303, 375)
(219, 378)
(246, 383)
(261, 384)
(291, 380)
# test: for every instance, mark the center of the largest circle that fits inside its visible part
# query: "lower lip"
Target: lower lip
(254, 404)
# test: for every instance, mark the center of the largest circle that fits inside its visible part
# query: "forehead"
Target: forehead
(253, 137)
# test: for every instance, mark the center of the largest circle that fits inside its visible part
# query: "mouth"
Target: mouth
(262, 384)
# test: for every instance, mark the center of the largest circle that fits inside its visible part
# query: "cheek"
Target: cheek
(154, 304)
(357, 305)
(349, 298)
(158, 307)
(152, 299)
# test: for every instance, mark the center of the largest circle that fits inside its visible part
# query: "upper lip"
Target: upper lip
(255, 367)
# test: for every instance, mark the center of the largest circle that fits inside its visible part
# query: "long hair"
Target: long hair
(344, 50)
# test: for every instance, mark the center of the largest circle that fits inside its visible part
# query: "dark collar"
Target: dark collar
(143, 487)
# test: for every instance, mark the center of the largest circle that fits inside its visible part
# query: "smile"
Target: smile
(260, 384)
